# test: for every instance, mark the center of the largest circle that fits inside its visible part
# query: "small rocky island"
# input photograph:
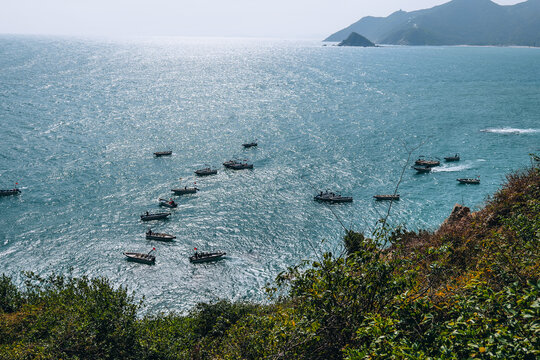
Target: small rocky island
(356, 39)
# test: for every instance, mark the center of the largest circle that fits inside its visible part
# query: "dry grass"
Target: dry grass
(497, 244)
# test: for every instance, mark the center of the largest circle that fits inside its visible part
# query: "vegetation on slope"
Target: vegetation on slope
(469, 290)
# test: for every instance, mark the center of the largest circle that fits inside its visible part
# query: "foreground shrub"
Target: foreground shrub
(73, 318)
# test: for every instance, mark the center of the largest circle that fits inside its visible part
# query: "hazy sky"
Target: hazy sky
(231, 18)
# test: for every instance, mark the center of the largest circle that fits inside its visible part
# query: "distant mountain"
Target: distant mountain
(458, 22)
(355, 39)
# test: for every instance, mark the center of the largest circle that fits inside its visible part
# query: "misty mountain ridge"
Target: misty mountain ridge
(458, 22)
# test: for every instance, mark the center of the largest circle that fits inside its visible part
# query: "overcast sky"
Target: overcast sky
(229, 18)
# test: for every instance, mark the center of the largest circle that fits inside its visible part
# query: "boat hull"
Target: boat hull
(469, 181)
(184, 191)
(160, 237)
(141, 258)
(241, 166)
(10, 192)
(162, 153)
(427, 163)
(333, 199)
(386, 197)
(342, 200)
(151, 217)
(205, 172)
(422, 169)
(202, 258)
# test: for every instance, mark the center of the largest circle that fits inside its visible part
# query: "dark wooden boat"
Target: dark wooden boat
(10, 192)
(341, 199)
(205, 172)
(200, 257)
(155, 216)
(141, 257)
(185, 190)
(474, 181)
(162, 153)
(427, 163)
(167, 203)
(237, 165)
(422, 169)
(331, 197)
(386, 197)
(241, 166)
(159, 236)
(452, 158)
(250, 144)
(230, 163)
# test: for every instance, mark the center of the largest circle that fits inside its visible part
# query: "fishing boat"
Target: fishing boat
(141, 257)
(474, 181)
(422, 169)
(386, 197)
(427, 163)
(250, 144)
(332, 197)
(230, 163)
(185, 190)
(162, 153)
(150, 235)
(10, 192)
(200, 257)
(241, 166)
(167, 203)
(452, 158)
(205, 172)
(155, 216)
(341, 199)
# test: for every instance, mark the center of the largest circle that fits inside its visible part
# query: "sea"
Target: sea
(80, 119)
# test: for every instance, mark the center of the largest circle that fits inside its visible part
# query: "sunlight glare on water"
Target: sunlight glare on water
(81, 118)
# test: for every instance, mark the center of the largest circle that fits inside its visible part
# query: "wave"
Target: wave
(508, 130)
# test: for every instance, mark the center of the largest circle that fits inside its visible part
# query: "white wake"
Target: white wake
(509, 130)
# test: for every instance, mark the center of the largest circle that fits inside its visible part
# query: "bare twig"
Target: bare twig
(409, 154)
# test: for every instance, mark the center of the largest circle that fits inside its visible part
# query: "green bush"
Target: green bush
(10, 297)
(76, 318)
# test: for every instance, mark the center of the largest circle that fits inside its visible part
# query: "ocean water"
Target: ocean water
(80, 119)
